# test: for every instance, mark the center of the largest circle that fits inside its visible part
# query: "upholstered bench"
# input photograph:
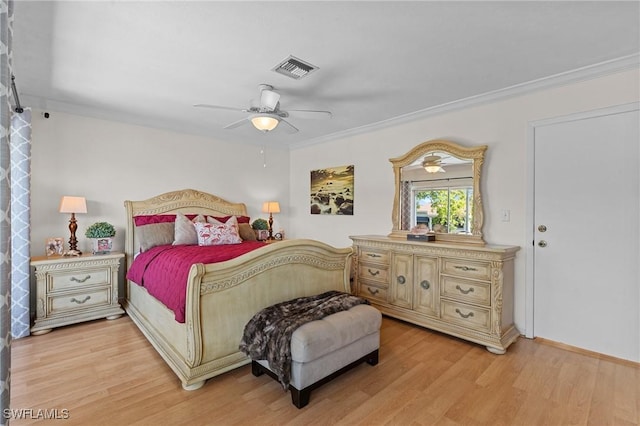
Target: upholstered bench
(324, 349)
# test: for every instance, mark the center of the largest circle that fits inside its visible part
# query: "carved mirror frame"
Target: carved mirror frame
(476, 154)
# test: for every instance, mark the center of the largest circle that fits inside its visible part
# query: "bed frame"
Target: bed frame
(222, 297)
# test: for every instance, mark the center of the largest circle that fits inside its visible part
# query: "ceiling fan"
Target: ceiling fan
(265, 113)
(433, 164)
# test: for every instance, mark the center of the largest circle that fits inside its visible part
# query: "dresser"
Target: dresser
(75, 289)
(465, 290)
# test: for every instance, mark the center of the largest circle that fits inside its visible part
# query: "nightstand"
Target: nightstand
(75, 289)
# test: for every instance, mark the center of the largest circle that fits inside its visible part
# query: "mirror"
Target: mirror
(437, 184)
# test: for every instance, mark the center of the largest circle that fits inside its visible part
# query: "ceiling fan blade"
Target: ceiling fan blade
(309, 114)
(237, 123)
(269, 99)
(287, 127)
(219, 107)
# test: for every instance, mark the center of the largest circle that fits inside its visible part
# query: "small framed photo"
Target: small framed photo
(263, 234)
(54, 246)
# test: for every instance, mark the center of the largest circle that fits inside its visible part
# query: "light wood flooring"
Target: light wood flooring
(106, 373)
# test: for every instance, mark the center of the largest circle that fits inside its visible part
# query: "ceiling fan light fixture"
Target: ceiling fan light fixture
(432, 164)
(264, 123)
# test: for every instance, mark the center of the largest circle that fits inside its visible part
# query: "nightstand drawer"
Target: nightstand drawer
(62, 304)
(466, 315)
(58, 281)
(466, 290)
(467, 269)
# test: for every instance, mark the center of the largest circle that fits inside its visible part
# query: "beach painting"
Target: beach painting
(332, 190)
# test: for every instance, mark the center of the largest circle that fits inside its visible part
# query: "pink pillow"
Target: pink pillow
(215, 233)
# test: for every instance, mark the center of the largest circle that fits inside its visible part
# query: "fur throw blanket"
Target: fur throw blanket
(268, 334)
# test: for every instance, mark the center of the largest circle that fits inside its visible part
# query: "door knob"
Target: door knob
(542, 228)
(542, 243)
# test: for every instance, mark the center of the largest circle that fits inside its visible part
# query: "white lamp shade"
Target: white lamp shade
(271, 207)
(73, 205)
(264, 123)
(434, 168)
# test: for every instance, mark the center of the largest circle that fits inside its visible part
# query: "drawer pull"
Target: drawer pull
(470, 314)
(373, 292)
(425, 284)
(374, 273)
(80, 280)
(401, 279)
(464, 291)
(465, 268)
(80, 302)
(373, 255)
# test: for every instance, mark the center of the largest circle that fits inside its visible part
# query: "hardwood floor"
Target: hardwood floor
(106, 373)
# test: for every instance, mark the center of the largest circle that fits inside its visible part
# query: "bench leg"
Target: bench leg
(256, 369)
(300, 398)
(372, 358)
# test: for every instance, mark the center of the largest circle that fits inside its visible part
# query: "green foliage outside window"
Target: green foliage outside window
(450, 205)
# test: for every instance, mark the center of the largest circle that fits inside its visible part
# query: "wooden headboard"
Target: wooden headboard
(185, 201)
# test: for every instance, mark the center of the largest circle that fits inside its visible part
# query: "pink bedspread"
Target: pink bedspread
(163, 270)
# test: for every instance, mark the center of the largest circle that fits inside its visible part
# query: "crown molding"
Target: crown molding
(569, 77)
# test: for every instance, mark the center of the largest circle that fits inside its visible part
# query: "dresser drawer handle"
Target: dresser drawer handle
(464, 291)
(425, 284)
(373, 255)
(401, 279)
(374, 273)
(80, 280)
(80, 302)
(373, 292)
(470, 314)
(465, 268)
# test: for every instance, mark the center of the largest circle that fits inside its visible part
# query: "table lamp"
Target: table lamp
(73, 205)
(271, 207)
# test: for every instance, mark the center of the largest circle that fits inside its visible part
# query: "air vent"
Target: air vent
(294, 67)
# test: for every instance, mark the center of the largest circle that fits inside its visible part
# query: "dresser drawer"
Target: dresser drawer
(466, 315)
(64, 280)
(63, 303)
(372, 272)
(371, 255)
(372, 291)
(467, 269)
(465, 290)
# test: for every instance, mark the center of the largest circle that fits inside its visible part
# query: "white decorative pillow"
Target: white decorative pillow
(185, 232)
(215, 233)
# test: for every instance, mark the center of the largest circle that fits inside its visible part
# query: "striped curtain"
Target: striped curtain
(406, 208)
(20, 145)
(6, 22)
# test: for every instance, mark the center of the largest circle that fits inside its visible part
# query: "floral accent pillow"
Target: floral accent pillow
(215, 233)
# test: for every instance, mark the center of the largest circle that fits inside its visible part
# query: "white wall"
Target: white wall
(501, 125)
(109, 162)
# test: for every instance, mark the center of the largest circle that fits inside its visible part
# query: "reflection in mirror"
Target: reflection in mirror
(438, 187)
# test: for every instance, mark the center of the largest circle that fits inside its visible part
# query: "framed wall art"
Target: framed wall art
(332, 190)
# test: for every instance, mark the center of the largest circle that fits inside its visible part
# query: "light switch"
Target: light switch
(505, 215)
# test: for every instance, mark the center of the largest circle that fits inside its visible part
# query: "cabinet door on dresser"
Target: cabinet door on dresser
(401, 284)
(426, 285)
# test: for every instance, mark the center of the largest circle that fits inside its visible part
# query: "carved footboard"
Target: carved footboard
(222, 297)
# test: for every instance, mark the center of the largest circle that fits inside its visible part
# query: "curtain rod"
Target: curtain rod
(18, 108)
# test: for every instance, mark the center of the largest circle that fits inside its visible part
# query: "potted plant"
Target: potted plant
(101, 235)
(261, 227)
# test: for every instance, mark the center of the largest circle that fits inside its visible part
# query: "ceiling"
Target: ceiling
(379, 62)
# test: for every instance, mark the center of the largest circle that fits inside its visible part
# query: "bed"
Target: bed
(220, 298)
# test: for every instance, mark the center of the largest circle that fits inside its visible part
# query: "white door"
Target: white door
(587, 195)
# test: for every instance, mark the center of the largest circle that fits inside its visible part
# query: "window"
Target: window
(443, 208)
